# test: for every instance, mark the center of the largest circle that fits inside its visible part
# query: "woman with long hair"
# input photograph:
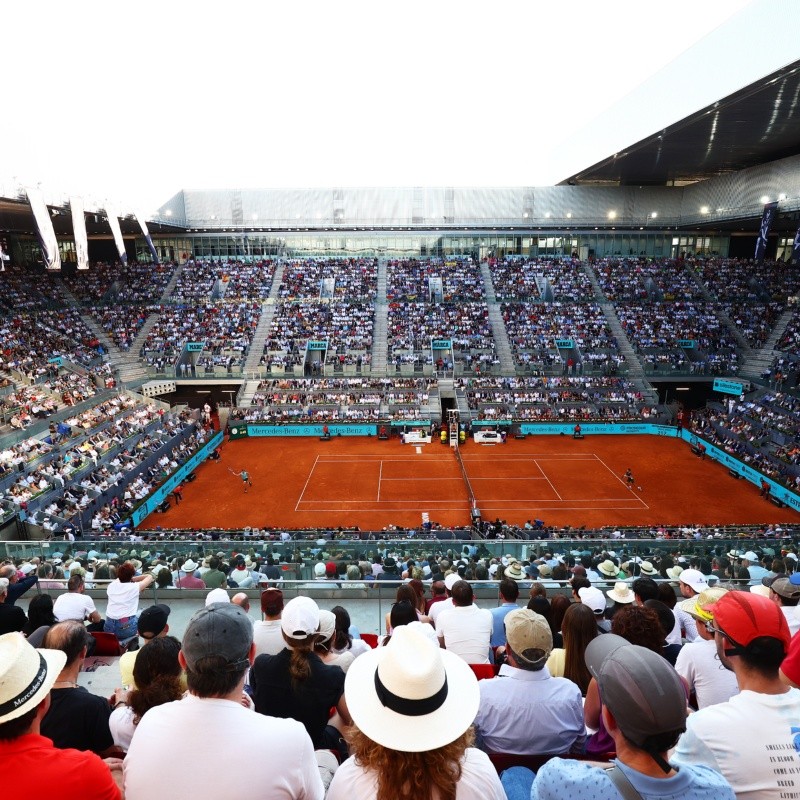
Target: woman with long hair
(157, 675)
(297, 684)
(40, 615)
(413, 705)
(401, 613)
(343, 640)
(578, 629)
(323, 646)
(407, 593)
(558, 607)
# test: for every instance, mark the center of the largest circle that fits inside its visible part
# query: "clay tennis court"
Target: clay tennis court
(300, 483)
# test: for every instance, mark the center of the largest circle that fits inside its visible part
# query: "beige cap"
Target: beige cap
(526, 630)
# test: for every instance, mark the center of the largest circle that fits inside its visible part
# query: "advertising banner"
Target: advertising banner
(79, 231)
(113, 222)
(44, 229)
(770, 211)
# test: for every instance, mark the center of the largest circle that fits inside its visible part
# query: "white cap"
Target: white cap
(592, 596)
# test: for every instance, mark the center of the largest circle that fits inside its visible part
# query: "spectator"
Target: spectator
(698, 664)
(16, 586)
(508, 594)
(75, 604)
(267, 631)
(157, 678)
(752, 638)
(26, 678)
(786, 595)
(217, 651)
(123, 601)
(76, 718)
(465, 629)
(343, 640)
(152, 624)
(12, 618)
(594, 598)
(579, 628)
(532, 712)
(644, 709)
(40, 618)
(413, 705)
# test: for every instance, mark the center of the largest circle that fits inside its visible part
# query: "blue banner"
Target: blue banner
(160, 494)
(728, 387)
(564, 344)
(596, 428)
(317, 345)
(796, 248)
(441, 344)
(311, 430)
(195, 347)
(687, 344)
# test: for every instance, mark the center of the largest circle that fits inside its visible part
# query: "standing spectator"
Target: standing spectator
(741, 737)
(123, 601)
(217, 651)
(26, 678)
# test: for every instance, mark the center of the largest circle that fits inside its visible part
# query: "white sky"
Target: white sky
(137, 100)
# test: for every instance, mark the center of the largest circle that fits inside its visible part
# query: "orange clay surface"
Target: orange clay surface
(304, 482)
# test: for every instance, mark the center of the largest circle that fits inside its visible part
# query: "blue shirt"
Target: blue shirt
(498, 626)
(559, 779)
(529, 712)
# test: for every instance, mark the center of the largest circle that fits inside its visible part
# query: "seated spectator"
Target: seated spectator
(75, 604)
(578, 629)
(267, 633)
(157, 679)
(343, 640)
(40, 618)
(752, 640)
(324, 643)
(152, 624)
(76, 718)
(26, 678)
(296, 684)
(187, 578)
(465, 629)
(413, 705)
(217, 651)
(12, 618)
(532, 712)
(644, 709)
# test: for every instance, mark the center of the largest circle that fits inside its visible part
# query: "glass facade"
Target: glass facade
(396, 244)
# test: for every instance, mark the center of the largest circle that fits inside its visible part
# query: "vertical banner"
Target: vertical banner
(113, 221)
(143, 225)
(770, 210)
(796, 248)
(79, 229)
(44, 229)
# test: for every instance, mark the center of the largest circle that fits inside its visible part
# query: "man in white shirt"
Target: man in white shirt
(465, 629)
(192, 736)
(690, 582)
(751, 738)
(525, 710)
(267, 633)
(785, 594)
(74, 604)
(698, 663)
(443, 605)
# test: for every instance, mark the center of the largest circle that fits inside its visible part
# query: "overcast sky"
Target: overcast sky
(137, 100)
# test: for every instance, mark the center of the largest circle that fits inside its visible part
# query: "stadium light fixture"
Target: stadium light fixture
(653, 214)
(569, 215)
(168, 212)
(612, 214)
(782, 196)
(548, 215)
(764, 198)
(704, 209)
(254, 216)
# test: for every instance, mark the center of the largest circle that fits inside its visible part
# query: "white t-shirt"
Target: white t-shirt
(121, 725)
(439, 606)
(268, 637)
(73, 605)
(192, 737)
(750, 740)
(467, 631)
(790, 612)
(699, 663)
(479, 780)
(123, 600)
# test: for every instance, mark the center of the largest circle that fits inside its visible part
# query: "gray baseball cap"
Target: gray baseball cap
(219, 629)
(639, 687)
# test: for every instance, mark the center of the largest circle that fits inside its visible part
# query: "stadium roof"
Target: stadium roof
(752, 126)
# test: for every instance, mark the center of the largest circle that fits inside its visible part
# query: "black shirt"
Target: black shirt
(78, 719)
(12, 618)
(310, 704)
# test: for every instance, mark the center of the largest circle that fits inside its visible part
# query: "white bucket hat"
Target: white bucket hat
(621, 593)
(26, 675)
(411, 695)
(189, 565)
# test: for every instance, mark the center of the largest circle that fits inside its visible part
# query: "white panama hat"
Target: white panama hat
(411, 695)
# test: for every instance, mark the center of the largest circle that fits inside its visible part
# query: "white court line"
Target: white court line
(621, 481)
(549, 481)
(457, 478)
(419, 450)
(498, 478)
(380, 478)
(305, 486)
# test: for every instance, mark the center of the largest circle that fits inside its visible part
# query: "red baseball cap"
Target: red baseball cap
(744, 616)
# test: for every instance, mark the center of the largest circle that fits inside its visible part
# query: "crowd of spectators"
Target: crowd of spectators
(131, 283)
(343, 279)
(417, 280)
(637, 280)
(516, 278)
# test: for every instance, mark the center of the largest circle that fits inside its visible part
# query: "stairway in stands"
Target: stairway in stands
(759, 361)
(268, 309)
(598, 292)
(499, 332)
(635, 369)
(380, 332)
(744, 345)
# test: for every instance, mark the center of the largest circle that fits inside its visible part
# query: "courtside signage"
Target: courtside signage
(311, 430)
(728, 387)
